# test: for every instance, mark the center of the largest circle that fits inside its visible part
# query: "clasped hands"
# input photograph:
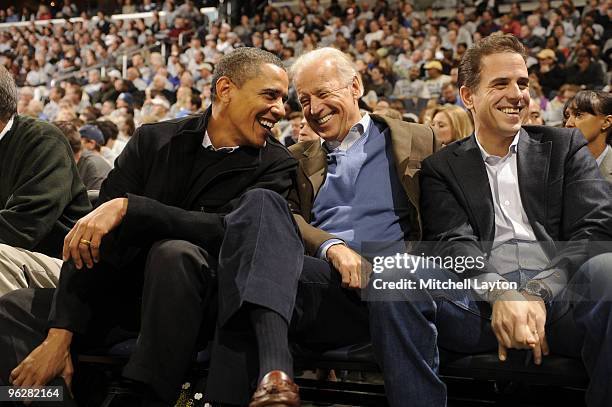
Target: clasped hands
(82, 243)
(518, 322)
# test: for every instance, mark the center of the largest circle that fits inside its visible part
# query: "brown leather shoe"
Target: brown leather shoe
(276, 389)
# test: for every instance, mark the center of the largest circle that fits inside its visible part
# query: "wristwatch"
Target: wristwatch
(538, 288)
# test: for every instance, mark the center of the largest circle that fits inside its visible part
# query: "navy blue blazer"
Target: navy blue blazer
(564, 195)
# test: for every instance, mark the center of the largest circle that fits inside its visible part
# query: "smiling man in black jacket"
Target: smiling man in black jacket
(167, 252)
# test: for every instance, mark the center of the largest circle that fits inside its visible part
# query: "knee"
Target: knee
(599, 272)
(172, 260)
(262, 194)
(263, 198)
(12, 305)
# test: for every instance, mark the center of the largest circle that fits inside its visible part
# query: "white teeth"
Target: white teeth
(324, 119)
(510, 110)
(266, 123)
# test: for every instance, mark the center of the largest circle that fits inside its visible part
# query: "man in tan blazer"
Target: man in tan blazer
(358, 184)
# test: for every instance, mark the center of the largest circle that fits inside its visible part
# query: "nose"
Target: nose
(570, 121)
(278, 108)
(514, 91)
(315, 105)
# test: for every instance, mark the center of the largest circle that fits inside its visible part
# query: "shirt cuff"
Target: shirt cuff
(322, 252)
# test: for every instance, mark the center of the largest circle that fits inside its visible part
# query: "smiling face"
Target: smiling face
(500, 102)
(255, 107)
(328, 100)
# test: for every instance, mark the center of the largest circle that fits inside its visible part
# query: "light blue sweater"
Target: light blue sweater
(362, 198)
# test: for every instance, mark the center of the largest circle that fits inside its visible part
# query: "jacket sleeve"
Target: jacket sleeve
(40, 196)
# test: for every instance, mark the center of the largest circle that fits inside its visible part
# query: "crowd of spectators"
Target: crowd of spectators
(408, 58)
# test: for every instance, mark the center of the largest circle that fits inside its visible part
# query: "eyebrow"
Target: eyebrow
(521, 80)
(275, 92)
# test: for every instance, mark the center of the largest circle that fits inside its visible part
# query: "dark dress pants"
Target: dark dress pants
(185, 292)
(410, 325)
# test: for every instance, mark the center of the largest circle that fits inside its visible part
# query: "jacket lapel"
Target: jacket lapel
(182, 153)
(314, 165)
(471, 175)
(402, 146)
(533, 162)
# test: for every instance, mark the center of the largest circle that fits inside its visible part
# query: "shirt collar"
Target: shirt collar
(8, 126)
(207, 144)
(354, 134)
(511, 149)
(599, 159)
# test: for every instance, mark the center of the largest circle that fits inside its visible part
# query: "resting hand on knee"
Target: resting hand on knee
(349, 264)
(82, 243)
(49, 360)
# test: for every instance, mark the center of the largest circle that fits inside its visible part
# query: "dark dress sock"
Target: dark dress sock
(271, 331)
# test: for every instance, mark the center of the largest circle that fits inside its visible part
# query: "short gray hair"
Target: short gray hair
(8, 94)
(344, 65)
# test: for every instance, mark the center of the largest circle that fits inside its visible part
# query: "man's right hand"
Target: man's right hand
(513, 324)
(49, 360)
(348, 263)
(82, 243)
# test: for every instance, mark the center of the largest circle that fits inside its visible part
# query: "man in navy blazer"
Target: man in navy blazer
(530, 206)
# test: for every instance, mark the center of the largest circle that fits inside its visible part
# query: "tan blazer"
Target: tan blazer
(411, 144)
(606, 167)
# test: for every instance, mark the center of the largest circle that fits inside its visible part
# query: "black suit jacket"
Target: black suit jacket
(562, 191)
(155, 172)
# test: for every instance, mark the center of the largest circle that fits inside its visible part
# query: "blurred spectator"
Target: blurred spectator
(585, 71)
(535, 114)
(435, 78)
(553, 115)
(92, 168)
(52, 107)
(450, 95)
(451, 123)
(294, 128)
(112, 146)
(550, 75)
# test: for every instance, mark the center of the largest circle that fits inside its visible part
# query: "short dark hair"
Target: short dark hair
(242, 64)
(108, 129)
(70, 131)
(595, 102)
(8, 95)
(470, 65)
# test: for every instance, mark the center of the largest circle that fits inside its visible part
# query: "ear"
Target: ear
(356, 87)
(223, 89)
(466, 97)
(607, 123)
